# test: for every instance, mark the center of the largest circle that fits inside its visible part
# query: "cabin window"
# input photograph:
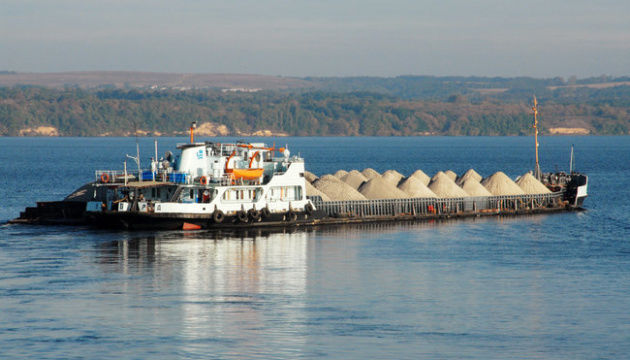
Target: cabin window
(205, 195)
(248, 195)
(286, 193)
(187, 196)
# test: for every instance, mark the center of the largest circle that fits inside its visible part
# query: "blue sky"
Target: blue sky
(319, 38)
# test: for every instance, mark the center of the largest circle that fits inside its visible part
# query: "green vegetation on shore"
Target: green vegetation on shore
(342, 112)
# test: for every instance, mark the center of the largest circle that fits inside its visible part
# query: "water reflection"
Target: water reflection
(286, 289)
(220, 284)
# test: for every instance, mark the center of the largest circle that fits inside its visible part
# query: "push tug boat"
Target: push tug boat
(208, 185)
(247, 185)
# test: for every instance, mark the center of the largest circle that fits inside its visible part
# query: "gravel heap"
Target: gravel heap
(474, 188)
(437, 174)
(337, 189)
(531, 185)
(444, 187)
(312, 191)
(451, 174)
(379, 188)
(393, 177)
(341, 173)
(370, 173)
(354, 178)
(471, 173)
(329, 178)
(415, 188)
(310, 177)
(501, 184)
(420, 175)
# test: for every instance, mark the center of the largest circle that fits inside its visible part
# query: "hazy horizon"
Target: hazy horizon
(539, 39)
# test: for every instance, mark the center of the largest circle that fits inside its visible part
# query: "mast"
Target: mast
(193, 125)
(571, 161)
(535, 109)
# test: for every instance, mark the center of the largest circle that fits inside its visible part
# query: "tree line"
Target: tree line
(80, 112)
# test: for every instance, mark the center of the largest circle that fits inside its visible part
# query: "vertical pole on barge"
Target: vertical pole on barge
(535, 109)
(138, 159)
(193, 125)
(571, 161)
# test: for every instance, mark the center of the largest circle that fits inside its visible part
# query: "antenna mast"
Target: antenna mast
(571, 161)
(535, 109)
(193, 126)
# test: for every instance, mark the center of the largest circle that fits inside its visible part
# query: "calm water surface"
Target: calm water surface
(547, 287)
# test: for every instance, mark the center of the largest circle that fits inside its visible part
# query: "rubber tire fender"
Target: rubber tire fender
(242, 216)
(309, 208)
(291, 216)
(265, 212)
(254, 214)
(218, 216)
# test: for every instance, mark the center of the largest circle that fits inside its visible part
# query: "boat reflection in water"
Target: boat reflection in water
(288, 293)
(214, 286)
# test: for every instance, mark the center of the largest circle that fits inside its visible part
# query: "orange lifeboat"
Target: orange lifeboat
(247, 174)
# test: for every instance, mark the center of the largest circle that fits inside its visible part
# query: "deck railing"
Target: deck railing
(433, 206)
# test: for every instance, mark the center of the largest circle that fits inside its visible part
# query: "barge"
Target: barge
(211, 185)
(249, 185)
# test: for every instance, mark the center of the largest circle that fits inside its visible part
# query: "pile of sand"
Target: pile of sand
(420, 175)
(328, 177)
(444, 187)
(474, 188)
(437, 175)
(341, 173)
(379, 188)
(470, 174)
(451, 174)
(392, 176)
(337, 189)
(370, 173)
(531, 185)
(312, 191)
(354, 178)
(501, 184)
(309, 176)
(415, 188)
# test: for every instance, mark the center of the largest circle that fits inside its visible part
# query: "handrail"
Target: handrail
(426, 206)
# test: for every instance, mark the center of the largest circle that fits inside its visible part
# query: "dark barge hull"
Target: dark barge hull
(568, 198)
(137, 221)
(53, 213)
(345, 212)
(169, 221)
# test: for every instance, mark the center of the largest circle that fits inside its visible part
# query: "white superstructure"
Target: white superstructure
(244, 179)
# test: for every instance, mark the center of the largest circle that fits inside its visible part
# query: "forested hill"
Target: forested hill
(26, 110)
